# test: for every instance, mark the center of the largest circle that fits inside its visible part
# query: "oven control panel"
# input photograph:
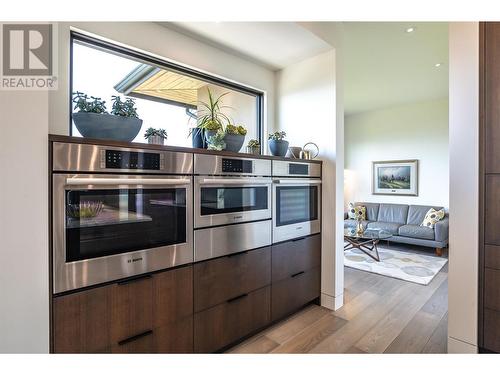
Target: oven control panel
(119, 159)
(237, 166)
(298, 169)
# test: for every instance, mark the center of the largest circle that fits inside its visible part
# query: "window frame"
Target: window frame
(163, 64)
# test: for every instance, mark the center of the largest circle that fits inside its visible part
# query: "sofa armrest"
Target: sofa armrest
(441, 230)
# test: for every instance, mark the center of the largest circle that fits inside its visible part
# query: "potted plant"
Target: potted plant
(156, 136)
(253, 147)
(210, 115)
(93, 121)
(216, 141)
(235, 136)
(277, 144)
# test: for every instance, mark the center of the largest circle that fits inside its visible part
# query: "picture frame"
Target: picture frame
(395, 177)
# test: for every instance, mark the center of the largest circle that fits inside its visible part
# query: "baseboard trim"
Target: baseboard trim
(456, 346)
(332, 303)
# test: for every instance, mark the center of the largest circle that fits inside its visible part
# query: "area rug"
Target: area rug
(416, 268)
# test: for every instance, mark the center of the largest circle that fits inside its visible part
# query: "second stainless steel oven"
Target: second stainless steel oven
(296, 199)
(232, 204)
(118, 213)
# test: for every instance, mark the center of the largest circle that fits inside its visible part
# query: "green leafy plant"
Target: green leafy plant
(151, 132)
(91, 104)
(216, 141)
(210, 114)
(253, 143)
(277, 136)
(124, 108)
(236, 130)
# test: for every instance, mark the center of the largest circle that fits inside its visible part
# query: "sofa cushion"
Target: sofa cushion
(350, 223)
(416, 231)
(416, 214)
(356, 212)
(371, 210)
(393, 213)
(432, 217)
(392, 228)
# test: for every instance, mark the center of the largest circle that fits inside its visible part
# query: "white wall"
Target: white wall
(306, 110)
(164, 43)
(24, 270)
(464, 190)
(411, 131)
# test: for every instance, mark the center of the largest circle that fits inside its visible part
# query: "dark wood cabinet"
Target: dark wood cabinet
(221, 325)
(143, 315)
(82, 322)
(489, 188)
(296, 279)
(295, 256)
(294, 292)
(218, 280)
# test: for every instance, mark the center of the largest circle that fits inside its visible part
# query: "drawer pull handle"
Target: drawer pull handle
(236, 254)
(136, 337)
(299, 239)
(237, 298)
(298, 274)
(134, 279)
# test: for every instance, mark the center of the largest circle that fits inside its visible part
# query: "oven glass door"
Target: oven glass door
(102, 222)
(296, 204)
(231, 200)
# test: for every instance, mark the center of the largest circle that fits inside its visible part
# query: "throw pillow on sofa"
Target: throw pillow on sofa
(432, 217)
(356, 212)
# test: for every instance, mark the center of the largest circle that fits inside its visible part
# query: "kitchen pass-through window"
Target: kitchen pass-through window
(166, 96)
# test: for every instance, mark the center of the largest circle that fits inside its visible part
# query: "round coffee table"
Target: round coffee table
(366, 241)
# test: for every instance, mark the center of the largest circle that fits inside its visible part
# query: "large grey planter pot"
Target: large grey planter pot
(106, 126)
(234, 142)
(278, 148)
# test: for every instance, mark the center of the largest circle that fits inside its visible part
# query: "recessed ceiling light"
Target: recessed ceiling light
(410, 29)
(437, 65)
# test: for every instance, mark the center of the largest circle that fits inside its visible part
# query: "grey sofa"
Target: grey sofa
(403, 222)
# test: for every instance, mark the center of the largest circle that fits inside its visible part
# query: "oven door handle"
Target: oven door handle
(126, 181)
(297, 181)
(235, 181)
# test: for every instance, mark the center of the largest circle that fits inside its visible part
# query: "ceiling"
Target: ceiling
(385, 66)
(272, 44)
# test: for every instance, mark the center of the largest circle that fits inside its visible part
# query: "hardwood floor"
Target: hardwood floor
(380, 315)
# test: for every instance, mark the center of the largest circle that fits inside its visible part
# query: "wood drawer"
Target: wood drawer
(492, 330)
(295, 291)
(492, 289)
(216, 281)
(82, 322)
(492, 256)
(132, 308)
(289, 258)
(223, 324)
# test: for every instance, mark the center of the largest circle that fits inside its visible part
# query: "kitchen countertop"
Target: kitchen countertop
(147, 146)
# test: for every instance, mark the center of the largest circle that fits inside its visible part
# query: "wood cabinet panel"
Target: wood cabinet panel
(289, 258)
(492, 210)
(174, 338)
(172, 296)
(492, 289)
(492, 330)
(132, 307)
(290, 294)
(492, 256)
(491, 98)
(82, 322)
(223, 324)
(217, 280)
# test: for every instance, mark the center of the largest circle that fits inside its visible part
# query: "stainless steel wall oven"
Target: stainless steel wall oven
(118, 212)
(232, 204)
(297, 200)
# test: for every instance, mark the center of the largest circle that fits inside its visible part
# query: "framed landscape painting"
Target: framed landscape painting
(395, 177)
